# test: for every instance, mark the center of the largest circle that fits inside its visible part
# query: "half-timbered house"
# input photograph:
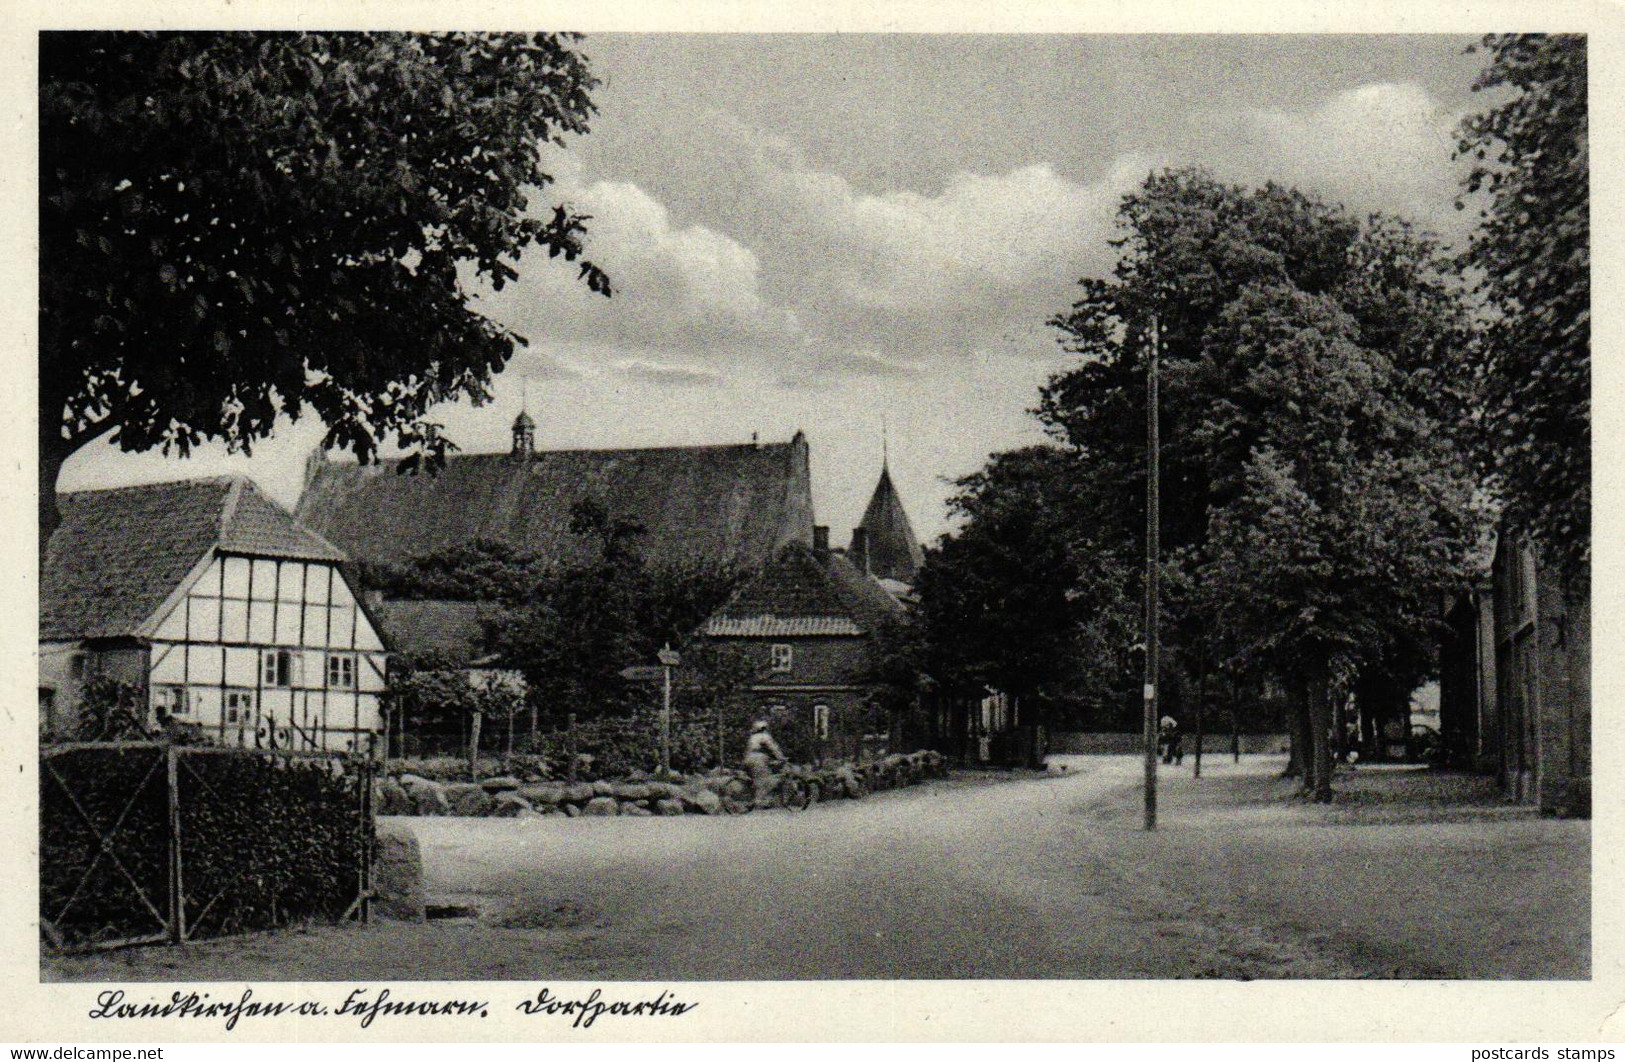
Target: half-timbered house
(220, 612)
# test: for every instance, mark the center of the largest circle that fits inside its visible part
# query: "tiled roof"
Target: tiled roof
(803, 592)
(447, 629)
(894, 552)
(259, 526)
(118, 554)
(726, 503)
(779, 627)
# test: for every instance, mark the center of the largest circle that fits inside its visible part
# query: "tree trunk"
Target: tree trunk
(1235, 730)
(1297, 764)
(1201, 709)
(1320, 724)
(54, 451)
(474, 747)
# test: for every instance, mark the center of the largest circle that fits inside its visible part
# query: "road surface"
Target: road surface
(968, 878)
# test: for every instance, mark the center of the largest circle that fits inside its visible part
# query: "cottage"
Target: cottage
(207, 599)
(735, 504)
(810, 621)
(444, 636)
(1515, 682)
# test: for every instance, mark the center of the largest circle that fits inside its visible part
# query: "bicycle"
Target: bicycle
(789, 790)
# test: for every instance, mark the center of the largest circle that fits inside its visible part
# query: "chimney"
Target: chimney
(860, 548)
(820, 540)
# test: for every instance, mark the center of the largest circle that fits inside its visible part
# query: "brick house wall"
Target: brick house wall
(819, 707)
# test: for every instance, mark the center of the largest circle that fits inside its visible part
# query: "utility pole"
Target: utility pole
(1152, 549)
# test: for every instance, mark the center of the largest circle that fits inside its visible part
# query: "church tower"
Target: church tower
(883, 544)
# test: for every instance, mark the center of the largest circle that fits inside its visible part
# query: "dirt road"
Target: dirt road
(1040, 878)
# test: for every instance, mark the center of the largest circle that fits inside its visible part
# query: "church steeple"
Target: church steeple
(884, 541)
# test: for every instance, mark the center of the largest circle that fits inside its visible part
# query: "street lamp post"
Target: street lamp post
(1152, 549)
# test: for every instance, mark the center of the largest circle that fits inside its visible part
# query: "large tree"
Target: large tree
(1313, 367)
(1022, 596)
(237, 226)
(1532, 252)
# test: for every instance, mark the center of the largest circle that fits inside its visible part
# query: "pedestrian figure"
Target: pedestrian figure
(761, 751)
(1169, 737)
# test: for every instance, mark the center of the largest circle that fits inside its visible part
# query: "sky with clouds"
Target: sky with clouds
(831, 233)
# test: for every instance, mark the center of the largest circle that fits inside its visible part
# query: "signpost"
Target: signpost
(669, 658)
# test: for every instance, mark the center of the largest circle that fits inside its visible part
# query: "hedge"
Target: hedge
(265, 839)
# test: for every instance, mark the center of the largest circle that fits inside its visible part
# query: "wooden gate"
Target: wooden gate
(147, 842)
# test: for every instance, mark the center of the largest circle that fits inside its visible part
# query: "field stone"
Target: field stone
(602, 806)
(501, 783)
(579, 793)
(542, 794)
(670, 806)
(397, 879)
(636, 810)
(702, 800)
(572, 810)
(509, 805)
(603, 788)
(632, 791)
(409, 780)
(428, 798)
(389, 798)
(468, 800)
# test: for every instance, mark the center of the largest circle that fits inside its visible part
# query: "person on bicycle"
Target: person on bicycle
(761, 752)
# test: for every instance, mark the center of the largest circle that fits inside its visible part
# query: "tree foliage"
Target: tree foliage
(1315, 405)
(571, 627)
(1023, 597)
(236, 226)
(1532, 254)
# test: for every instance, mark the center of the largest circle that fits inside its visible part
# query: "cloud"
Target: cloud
(677, 287)
(813, 278)
(828, 367)
(662, 375)
(1384, 146)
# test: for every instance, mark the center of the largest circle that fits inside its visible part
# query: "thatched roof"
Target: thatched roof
(736, 504)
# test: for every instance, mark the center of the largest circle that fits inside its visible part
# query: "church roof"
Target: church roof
(805, 592)
(893, 551)
(118, 554)
(737, 504)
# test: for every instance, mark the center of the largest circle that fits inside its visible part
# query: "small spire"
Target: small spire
(885, 456)
(524, 435)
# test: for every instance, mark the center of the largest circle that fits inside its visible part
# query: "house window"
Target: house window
(821, 722)
(341, 671)
(169, 701)
(781, 658)
(278, 667)
(239, 707)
